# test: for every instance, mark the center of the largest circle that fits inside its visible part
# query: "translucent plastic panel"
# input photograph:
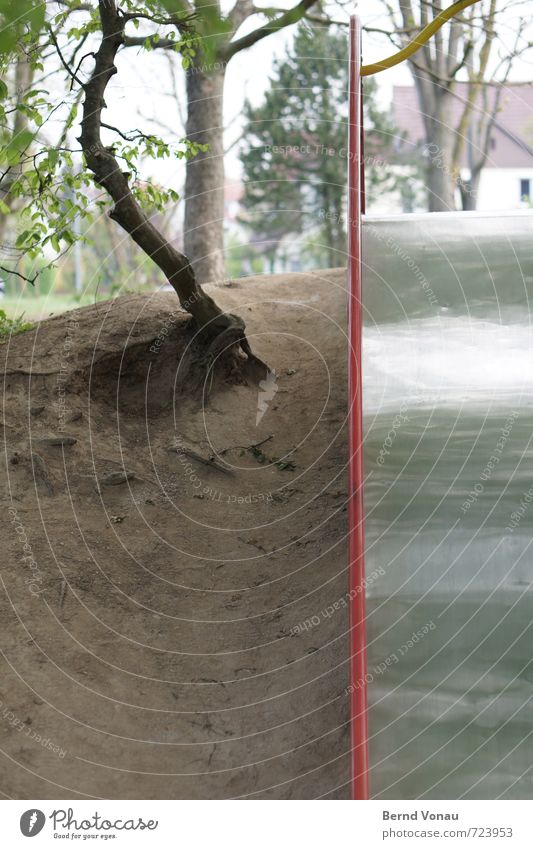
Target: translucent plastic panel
(448, 400)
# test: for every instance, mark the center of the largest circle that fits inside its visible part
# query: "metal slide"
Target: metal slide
(448, 454)
(441, 338)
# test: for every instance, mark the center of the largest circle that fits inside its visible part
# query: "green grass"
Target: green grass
(37, 306)
(12, 326)
(43, 306)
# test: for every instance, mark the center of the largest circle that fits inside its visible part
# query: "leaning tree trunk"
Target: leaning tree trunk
(204, 184)
(225, 329)
(126, 210)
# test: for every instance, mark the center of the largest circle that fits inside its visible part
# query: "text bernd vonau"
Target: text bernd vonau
(416, 815)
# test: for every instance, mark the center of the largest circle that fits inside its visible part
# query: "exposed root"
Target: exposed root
(224, 354)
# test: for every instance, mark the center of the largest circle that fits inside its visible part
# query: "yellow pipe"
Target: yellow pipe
(422, 37)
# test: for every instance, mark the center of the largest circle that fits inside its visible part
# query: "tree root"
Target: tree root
(224, 352)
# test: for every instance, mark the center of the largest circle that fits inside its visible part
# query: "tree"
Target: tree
(53, 189)
(20, 24)
(295, 150)
(207, 40)
(127, 211)
(468, 50)
(216, 43)
(18, 86)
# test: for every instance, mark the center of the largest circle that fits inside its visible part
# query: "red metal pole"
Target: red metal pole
(362, 137)
(358, 694)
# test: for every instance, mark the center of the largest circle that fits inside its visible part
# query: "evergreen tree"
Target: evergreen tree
(295, 154)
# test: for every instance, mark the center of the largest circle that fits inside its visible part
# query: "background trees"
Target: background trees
(295, 153)
(216, 42)
(205, 40)
(478, 46)
(53, 190)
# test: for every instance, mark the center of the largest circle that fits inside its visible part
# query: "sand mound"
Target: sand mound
(169, 628)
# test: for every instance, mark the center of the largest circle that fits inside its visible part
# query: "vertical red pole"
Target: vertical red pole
(362, 142)
(358, 695)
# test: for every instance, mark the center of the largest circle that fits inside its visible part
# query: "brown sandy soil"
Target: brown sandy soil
(150, 620)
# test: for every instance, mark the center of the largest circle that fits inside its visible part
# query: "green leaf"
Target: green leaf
(21, 239)
(34, 92)
(18, 144)
(17, 18)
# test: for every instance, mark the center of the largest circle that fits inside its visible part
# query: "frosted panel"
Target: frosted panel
(448, 392)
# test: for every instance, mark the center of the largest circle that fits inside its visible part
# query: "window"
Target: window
(525, 192)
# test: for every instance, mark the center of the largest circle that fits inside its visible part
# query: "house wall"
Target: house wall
(500, 188)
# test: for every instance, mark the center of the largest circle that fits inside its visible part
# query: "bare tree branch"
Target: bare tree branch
(291, 16)
(30, 280)
(241, 10)
(141, 40)
(64, 62)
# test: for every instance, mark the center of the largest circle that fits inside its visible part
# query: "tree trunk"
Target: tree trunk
(339, 256)
(435, 104)
(22, 83)
(328, 225)
(469, 191)
(204, 183)
(126, 210)
(226, 330)
(439, 148)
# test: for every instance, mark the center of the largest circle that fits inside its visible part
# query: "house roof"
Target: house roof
(512, 134)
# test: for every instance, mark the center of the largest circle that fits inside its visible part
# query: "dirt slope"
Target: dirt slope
(152, 607)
